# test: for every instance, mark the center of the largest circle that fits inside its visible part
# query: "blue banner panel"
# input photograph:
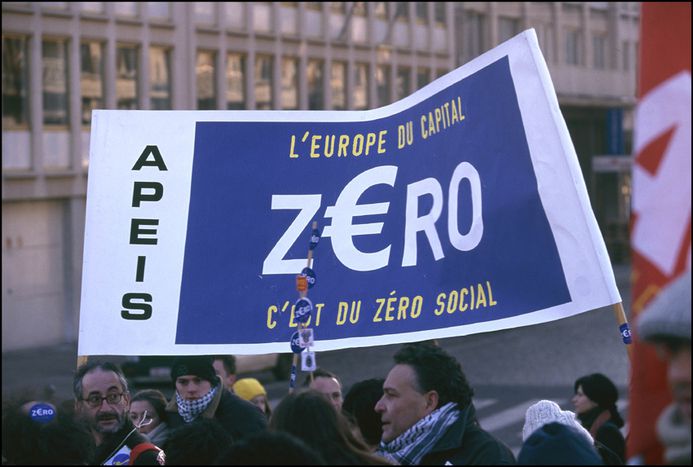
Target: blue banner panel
(430, 218)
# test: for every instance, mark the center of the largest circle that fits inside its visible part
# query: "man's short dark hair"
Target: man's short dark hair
(360, 402)
(437, 370)
(88, 368)
(229, 362)
(319, 373)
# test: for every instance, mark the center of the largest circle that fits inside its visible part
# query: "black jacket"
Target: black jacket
(466, 443)
(237, 416)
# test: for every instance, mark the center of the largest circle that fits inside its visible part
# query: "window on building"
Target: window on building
(159, 10)
(359, 8)
(54, 67)
(361, 86)
(235, 81)
(91, 78)
(507, 28)
(402, 11)
(422, 77)
(625, 52)
(381, 10)
(159, 78)
(289, 83)
(573, 50)
(263, 82)
(338, 7)
(599, 52)
(125, 8)
(91, 7)
(474, 34)
(338, 77)
(316, 89)
(206, 78)
(382, 83)
(204, 12)
(439, 12)
(422, 11)
(54, 5)
(15, 82)
(545, 35)
(403, 83)
(126, 77)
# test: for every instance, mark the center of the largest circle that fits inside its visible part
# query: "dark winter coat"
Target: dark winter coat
(466, 443)
(607, 436)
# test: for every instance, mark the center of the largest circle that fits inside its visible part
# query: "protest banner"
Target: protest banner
(661, 223)
(457, 210)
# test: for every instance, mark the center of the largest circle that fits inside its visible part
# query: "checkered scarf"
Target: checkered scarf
(410, 447)
(190, 409)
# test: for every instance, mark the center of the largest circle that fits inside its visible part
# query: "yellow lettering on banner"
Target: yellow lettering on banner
(390, 307)
(352, 311)
(343, 145)
(318, 310)
(317, 307)
(440, 301)
(463, 305)
(271, 323)
(441, 118)
(474, 297)
(329, 145)
(324, 145)
(381, 141)
(381, 302)
(292, 154)
(404, 306)
(314, 146)
(491, 301)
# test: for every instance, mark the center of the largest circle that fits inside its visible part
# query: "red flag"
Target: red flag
(661, 220)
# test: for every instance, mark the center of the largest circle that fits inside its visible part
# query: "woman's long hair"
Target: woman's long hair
(309, 416)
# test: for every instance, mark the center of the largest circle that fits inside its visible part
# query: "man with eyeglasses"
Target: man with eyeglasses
(102, 401)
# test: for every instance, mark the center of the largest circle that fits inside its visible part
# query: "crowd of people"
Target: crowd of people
(421, 412)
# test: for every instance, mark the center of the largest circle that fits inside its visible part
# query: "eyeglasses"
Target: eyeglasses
(96, 400)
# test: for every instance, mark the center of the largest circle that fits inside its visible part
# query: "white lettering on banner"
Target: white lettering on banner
(346, 208)
(308, 206)
(425, 223)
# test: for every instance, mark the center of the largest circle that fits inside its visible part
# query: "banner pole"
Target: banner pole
(624, 328)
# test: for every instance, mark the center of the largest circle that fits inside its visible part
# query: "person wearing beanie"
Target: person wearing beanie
(595, 406)
(544, 412)
(558, 444)
(200, 393)
(251, 390)
(666, 324)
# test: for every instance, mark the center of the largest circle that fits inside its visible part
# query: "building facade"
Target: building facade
(60, 60)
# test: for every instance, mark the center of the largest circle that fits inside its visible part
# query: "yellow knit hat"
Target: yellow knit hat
(247, 388)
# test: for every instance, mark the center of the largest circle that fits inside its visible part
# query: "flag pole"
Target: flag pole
(624, 328)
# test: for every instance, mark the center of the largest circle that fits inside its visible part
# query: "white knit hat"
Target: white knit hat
(669, 314)
(544, 412)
